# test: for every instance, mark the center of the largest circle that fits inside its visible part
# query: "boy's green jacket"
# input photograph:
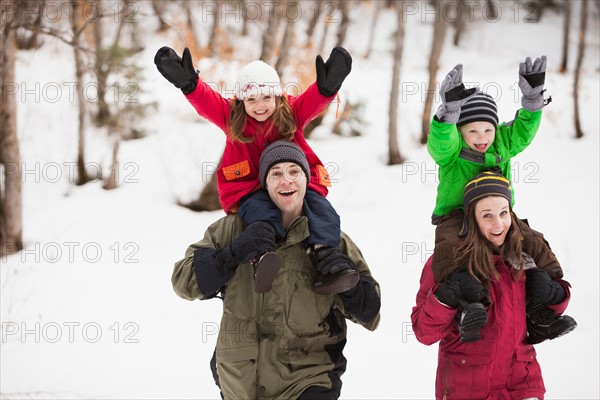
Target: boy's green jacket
(458, 164)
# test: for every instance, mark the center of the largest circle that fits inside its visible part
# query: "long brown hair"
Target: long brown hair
(282, 119)
(477, 253)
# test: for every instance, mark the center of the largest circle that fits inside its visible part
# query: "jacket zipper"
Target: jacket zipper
(447, 391)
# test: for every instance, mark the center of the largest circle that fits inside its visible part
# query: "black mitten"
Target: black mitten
(447, 294)
(179, 71)
(471, 289)
(257, 239)
(331, 74)
(328, 260)
(543, 289)
(461, 285)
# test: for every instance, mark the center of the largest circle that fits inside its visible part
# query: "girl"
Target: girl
(258, 115)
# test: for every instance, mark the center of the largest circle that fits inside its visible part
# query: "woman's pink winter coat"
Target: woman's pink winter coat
(501, 365)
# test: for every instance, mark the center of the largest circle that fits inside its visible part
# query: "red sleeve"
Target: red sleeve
(210, 105)
(431, 320)
(308, 105)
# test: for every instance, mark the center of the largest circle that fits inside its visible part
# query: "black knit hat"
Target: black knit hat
(480, 107)
(281, 151)
(488, 183)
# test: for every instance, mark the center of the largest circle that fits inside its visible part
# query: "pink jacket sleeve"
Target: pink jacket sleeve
(562, 307)
(431, 320)
(210, 105)
(308, 105)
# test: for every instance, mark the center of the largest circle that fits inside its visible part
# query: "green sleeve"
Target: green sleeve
(443, 142)
(516, 135)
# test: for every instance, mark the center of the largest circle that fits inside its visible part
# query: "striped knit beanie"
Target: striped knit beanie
(480, 107)
(488, 183)
(281, 151)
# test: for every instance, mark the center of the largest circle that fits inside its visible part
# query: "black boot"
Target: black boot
(336, 272)
(543, 324)
(470, 320)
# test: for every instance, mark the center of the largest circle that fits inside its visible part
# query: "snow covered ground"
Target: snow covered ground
(88, 311)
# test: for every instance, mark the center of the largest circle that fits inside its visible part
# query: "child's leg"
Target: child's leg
(336, 272)
(323, 220)
(258, 207)
(537, 247)
(461, 290)
(542, 322)
(446, 240)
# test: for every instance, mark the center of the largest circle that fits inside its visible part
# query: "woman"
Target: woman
(501, 364)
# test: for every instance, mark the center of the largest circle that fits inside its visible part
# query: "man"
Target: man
(286, 343)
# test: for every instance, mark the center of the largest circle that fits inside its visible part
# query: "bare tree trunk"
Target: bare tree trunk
(344, 6)
(378, 5)
(111, 182)
(76, 24)
(492, 12)
(214, 42)
(209, 198)
(11, 221)
(580, 54)
(158, 8)
(566, 29)
(32, 12)
(439, 34)
(101, 70)
(270, 34)
(326, 26)
(312, 24)
(245, 19)
(459, 23)
(286, 46)
(394, 156)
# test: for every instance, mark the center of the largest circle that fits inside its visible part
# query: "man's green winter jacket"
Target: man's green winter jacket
(277, 344)
(458, 164)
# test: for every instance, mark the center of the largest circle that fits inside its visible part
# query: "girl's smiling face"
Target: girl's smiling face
(260, 107)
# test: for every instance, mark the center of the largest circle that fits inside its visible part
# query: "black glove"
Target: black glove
(454, 95)
(543, 289)
(461, 285)
(331, 74)
(180, 72)
(328, 260)
(257, 239)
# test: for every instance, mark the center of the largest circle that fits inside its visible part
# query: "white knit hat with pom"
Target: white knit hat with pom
(257, 78)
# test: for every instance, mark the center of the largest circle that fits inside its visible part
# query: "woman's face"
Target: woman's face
(260, 107)
(493, 218)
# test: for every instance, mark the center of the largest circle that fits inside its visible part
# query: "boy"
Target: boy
(465, 139)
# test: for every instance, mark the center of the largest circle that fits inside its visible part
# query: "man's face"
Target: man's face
(286, 184)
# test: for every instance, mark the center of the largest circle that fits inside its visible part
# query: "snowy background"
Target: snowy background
(88, 311)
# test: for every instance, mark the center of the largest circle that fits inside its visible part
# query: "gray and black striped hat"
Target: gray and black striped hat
(480, 107)
(281, 151)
